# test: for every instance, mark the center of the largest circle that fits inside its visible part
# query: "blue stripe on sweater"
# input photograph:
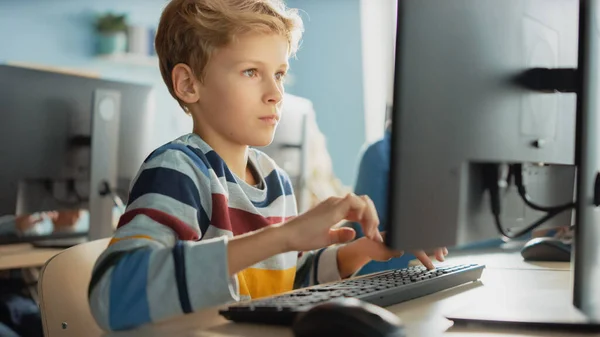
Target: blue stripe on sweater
(277, 185)
(193, 154)
(180, 276)
(316, 266)
(128, 306)
(219, 166)
(171, 183)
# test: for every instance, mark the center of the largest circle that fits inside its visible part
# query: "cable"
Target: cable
(490, 179)
(518, 175)
(106, 190)
(539, 222)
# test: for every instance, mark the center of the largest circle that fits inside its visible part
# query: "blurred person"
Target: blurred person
(19, 313)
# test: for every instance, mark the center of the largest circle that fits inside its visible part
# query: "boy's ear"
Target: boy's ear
(185, 84)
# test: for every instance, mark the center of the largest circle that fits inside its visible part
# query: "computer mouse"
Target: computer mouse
(546, 249)
(347, 317)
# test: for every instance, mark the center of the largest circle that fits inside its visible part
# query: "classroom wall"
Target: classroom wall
(328, 68)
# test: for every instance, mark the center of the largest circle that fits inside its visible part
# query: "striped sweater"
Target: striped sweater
(169, 253)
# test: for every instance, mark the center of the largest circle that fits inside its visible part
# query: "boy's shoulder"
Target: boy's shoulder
(179, 152)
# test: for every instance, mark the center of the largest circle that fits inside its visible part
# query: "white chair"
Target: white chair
(62, 290)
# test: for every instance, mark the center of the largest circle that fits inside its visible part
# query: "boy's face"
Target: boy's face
(241, 95)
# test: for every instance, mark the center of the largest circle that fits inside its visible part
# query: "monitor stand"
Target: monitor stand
(104, 160)
(540, 310)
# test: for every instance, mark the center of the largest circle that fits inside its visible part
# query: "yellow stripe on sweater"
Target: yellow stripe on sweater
(262, 282)
(115, 240)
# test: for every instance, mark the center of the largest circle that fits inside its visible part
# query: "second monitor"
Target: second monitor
(63, 135)
(456, 109)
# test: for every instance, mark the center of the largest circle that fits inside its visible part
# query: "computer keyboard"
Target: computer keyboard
(383, 289)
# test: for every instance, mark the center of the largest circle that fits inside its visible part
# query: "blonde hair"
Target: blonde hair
(190, 30)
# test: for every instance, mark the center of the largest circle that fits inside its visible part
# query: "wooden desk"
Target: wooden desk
(24, 255)
(508, 286)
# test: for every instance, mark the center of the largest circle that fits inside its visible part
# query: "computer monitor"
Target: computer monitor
(457, 107)
(62, 136)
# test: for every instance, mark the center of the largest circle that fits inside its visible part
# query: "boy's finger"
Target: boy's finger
(425, 260)
(370, 221)
(374, 209)
(398, 253)
(371, 208)
(445, 251)
(353, 205)
(439, 254)
(341, 235)
(382, 234)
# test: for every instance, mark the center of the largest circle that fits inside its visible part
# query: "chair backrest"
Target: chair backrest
(62, 289)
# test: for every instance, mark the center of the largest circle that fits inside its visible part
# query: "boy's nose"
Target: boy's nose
(274, 99)
(274, 94)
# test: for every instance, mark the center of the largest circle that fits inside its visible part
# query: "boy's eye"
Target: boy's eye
(249, 72)
(280, 75)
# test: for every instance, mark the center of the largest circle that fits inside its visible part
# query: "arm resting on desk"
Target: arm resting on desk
(154, 276)
(149, 277)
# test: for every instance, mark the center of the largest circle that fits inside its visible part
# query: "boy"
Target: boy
(209, 220)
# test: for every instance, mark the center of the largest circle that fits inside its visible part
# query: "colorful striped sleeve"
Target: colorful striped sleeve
(316, 267)
(154, 267)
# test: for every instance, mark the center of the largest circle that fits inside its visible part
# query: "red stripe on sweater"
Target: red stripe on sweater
(236, 220)
(182, 229)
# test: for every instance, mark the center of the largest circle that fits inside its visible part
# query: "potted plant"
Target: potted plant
(112, 33)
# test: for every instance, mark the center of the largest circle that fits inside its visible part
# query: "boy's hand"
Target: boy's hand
(439, 254)
(356, 254)
(312, 230)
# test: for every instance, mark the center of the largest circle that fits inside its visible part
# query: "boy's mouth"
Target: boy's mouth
(271, 119)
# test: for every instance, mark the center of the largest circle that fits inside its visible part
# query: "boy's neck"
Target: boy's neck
(234, 155)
